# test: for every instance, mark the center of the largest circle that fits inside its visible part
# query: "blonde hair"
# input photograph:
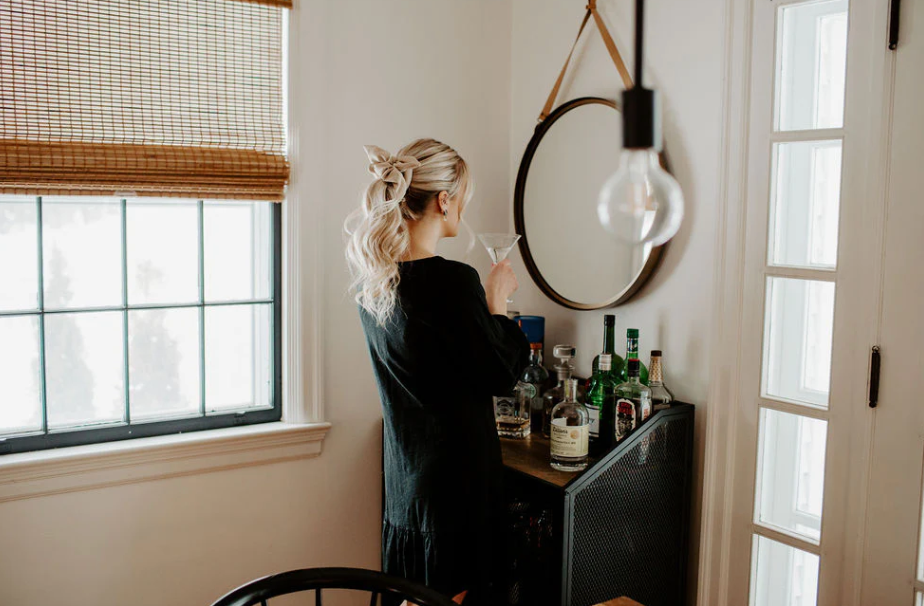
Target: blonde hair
(377, 233)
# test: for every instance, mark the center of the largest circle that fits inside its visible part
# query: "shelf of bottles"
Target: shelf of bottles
(598, 480)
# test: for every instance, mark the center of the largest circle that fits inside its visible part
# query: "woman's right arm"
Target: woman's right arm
(495, 346)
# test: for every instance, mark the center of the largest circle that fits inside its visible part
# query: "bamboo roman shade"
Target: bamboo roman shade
(145, 97)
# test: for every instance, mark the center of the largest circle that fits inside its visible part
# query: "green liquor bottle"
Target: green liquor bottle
(609, 346)
(601, 404)
(632, 354)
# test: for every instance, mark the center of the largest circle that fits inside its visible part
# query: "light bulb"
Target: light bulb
(641, 202)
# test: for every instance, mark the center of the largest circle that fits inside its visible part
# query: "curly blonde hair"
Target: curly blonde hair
(377, 233)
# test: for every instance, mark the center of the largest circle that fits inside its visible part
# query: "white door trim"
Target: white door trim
(715, 544)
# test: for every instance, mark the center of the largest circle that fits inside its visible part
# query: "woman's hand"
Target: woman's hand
(499, 286)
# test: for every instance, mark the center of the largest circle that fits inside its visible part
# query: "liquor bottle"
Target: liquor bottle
(529, 391)
(661, 396)
(632, 354)
(600, 397)
(609, 346)
(633, 402)
(564, 369)
(570, 432)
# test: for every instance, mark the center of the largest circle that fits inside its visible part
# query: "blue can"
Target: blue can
(533, 327)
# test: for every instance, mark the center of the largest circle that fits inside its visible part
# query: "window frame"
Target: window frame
(77, 436)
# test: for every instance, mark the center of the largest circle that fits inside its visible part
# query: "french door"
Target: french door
(825, 218)
(893, 569)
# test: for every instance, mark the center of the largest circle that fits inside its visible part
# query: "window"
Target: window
(135, 317)
(142, 145)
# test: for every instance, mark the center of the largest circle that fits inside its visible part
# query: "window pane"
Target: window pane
(82, 252)
(163, 358)
(20, 375)
(84, 364)
(163, 251)
(791, 472)
(797, 340)
(782, 575)
(811, 65)
(806, 203)
(18, 254)
(238, 250)
(238, 360)
(918, 599)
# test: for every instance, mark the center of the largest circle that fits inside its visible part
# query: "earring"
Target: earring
(445, 215)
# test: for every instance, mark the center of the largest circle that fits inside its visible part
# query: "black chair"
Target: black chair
(257, 592)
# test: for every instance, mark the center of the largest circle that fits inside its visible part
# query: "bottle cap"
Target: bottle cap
(609, 320)
(632, 332)
(655, 353)
(535, 346)
(606, 361)
(632, 366)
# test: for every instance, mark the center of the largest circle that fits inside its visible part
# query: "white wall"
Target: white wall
(384, 72)
(374, 72)
(684, 52)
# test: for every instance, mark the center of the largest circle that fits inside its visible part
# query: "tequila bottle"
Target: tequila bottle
(632, 354)
(609, 346)
(601, 403)
(570, 432)
(633, 402)
(661, 396)
(529, 391)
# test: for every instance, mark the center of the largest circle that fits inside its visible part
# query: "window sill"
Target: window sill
(64, 470)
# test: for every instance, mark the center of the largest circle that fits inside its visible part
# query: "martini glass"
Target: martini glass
(499, 246)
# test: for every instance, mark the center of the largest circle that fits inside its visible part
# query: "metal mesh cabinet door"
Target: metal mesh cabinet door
(625, 525)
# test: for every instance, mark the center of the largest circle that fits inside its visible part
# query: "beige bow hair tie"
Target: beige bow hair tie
(394, 173)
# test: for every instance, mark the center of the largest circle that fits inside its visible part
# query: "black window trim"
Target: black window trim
(113, 433)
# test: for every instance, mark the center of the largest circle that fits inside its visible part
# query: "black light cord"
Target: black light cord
(639, 40)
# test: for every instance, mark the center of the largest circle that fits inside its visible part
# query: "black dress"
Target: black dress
(438, 363)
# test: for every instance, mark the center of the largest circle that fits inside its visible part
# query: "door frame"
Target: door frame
(719, 518)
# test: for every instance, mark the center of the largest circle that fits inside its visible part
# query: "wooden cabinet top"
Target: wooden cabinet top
(531, 456)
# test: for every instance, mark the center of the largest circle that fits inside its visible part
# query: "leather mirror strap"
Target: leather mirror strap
(610, 46)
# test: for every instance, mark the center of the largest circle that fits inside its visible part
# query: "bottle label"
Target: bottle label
(645, 406)
(594, 427)
(569, 440)
(625, 418)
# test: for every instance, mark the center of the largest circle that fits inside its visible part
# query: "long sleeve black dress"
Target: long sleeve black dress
(438, 363)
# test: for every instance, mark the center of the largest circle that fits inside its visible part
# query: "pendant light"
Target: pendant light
(641, 202)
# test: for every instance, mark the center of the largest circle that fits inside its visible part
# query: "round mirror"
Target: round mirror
(566, 250)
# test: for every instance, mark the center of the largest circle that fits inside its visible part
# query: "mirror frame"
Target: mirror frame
(520, 223)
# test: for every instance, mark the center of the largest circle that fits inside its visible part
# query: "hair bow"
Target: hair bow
(393, 172)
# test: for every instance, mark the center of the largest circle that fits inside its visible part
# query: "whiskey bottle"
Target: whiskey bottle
(609, 346)
(600, 396)
(570, 432)
(632, 354)
(633, 402)
(661, 397)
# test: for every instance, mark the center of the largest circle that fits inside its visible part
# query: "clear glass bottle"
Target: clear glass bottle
(600, 398)
(570, 432)
(564, 370)
(632, 354)
(609, 346)
(661, 396)
(633, 402)
(529, 392)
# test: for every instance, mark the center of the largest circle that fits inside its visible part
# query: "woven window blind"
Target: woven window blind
(150, 97)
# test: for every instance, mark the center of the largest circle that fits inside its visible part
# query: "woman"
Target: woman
(441, 347)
